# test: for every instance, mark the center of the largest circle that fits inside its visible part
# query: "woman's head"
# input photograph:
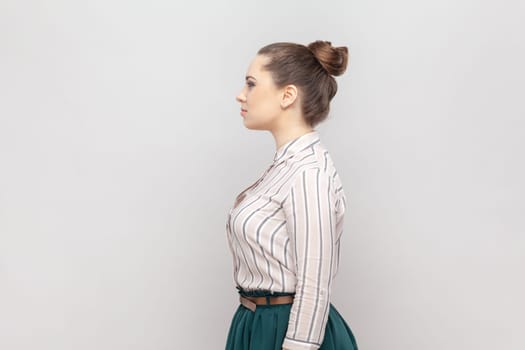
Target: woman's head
(310, 70)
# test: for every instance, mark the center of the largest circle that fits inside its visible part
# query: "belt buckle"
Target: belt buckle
(248, 303)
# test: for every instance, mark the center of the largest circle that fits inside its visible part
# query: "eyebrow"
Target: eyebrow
(249, 76)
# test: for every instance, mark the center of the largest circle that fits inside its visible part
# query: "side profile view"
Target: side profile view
(284, 230)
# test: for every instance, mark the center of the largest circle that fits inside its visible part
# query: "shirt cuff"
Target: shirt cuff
(291, 344)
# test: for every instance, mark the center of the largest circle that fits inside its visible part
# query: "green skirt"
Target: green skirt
(265, 328)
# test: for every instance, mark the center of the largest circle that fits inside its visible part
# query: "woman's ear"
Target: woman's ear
(289, 96)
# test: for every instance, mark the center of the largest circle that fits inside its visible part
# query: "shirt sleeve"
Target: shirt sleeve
(310, 209)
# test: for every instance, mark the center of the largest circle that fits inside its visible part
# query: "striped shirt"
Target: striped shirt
(284, 232)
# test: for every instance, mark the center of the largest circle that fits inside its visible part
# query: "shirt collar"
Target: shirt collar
(292, 147)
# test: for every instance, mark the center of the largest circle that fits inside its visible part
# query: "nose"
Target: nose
(241, 97)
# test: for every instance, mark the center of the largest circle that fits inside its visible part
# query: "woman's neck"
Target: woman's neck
(285, 135)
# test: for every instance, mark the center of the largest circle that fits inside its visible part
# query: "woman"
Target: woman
(284, 230)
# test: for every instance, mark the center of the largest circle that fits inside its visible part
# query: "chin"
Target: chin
(248, 124)
(252, 126)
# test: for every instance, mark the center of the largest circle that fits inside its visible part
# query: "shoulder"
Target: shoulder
(312, 177)
(317, 159)
(316, 173)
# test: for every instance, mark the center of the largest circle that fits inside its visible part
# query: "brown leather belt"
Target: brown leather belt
(252, 302)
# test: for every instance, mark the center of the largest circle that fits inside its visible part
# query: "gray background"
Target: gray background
(122, 149)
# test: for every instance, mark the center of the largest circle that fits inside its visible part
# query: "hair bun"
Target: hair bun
(333, 59)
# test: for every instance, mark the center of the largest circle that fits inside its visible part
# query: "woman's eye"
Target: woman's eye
(250, 84)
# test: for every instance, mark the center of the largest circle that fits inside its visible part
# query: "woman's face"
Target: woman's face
(259, 98)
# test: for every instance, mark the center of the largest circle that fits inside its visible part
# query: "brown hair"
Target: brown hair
(311, 68)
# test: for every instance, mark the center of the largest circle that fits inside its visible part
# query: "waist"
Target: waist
(261, 292)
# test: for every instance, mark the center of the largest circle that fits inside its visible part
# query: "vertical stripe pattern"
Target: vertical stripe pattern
(284, 232)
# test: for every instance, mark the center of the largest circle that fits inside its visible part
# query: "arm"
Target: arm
(310, 210)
